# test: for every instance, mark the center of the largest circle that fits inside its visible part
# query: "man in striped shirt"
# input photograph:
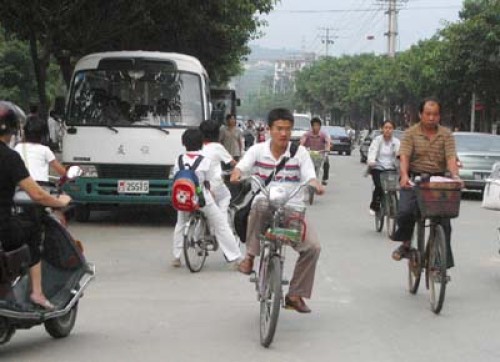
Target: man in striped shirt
(426, 148)
(261, 160)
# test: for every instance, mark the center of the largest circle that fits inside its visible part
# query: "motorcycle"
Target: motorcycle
(66, 274)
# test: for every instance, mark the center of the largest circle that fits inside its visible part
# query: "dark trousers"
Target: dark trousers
(378, 192)
(407, 216)
(326, 169)
(23, 229)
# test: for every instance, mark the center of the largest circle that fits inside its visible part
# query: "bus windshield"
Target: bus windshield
(152, 96)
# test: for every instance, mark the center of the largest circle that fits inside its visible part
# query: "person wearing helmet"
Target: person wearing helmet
(15, 231)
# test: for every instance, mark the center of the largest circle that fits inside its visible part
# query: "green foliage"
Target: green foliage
(215, 31)
(461, 59)
(17, 80)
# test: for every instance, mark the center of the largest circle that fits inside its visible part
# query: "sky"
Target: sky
(353, 21)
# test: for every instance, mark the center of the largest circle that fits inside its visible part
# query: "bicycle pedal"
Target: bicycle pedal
(285, 282)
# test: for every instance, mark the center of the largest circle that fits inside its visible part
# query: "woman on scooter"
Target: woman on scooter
(14, 232)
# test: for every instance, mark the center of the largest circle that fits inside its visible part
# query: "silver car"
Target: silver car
(477, 152)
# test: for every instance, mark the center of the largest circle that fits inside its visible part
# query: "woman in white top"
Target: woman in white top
(37, 157)
(382, 156)
(216, 152)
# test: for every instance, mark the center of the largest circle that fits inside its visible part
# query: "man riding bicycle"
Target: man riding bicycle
(261, 160)
(427, 148)
(318, 140)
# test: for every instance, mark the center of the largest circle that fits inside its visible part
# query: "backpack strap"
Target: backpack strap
(196, 163)
(293, 150)
(179, 162)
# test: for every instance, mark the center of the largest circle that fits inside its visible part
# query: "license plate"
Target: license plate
(133, 187)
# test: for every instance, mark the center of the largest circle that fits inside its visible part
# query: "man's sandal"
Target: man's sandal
(403, 251)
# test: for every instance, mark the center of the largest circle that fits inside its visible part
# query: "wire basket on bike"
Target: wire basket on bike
(390, 180)
(439, 199)
(316, 157)
(291, 228)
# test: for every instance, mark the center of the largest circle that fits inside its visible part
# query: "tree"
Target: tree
(215, 31)
(17, 81)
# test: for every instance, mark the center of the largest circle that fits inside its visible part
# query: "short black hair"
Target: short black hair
(279, 114)
(389, 121)
(34, 130)
(315, 120)
(210, 131)
(192, 139)
(229, 116)
(427, 100)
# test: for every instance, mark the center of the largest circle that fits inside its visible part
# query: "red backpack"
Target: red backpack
(187, 194)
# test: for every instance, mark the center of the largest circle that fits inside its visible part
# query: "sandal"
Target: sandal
(401, 252)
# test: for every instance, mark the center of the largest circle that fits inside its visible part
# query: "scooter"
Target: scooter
(66, 274)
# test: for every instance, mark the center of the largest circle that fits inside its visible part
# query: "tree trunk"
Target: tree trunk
(66, 69)
(40, 68)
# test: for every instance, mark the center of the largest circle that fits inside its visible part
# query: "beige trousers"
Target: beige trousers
(302, 281)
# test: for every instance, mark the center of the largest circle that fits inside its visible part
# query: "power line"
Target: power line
(363, 10)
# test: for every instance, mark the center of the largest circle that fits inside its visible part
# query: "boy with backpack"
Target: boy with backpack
(191, 190)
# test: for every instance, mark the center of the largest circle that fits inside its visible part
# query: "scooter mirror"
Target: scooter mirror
(74, 172)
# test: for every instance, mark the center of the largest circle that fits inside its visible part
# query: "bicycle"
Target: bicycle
(318, 158)
(389, 204)
(436, 201)
(286, 227)
(198, 241)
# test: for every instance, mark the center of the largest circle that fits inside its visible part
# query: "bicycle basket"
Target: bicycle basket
(294, 220)
(262, 206)
(439, 199)
(292, 227)
(390, 180)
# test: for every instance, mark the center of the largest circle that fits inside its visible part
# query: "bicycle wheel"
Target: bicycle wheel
(379, 217)
(270, 300)
(415, 261)
(392, 211)
(194, 252)
(436, 267)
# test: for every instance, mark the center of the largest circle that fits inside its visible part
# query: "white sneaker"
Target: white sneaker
(372, 213)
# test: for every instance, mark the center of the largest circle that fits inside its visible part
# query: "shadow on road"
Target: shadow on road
(124, 215)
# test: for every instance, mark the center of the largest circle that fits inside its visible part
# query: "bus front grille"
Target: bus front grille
(133, 171)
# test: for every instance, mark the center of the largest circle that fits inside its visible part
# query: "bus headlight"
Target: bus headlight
(89, 171)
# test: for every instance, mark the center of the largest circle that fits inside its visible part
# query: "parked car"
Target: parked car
(477, 152)
(341, 142)
(365, 145)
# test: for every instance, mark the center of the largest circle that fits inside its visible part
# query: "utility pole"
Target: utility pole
(327, 39)
(392, 31)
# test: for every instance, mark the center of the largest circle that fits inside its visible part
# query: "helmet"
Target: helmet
(10, 115)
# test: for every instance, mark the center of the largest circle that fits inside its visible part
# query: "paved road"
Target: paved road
(141, 309)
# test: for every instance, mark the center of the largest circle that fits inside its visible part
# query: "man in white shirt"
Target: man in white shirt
(261, 160)
(216, 152)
